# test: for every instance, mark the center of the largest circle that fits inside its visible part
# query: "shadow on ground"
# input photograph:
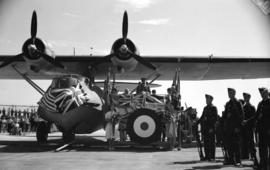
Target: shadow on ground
(81, 144)
(219, 166)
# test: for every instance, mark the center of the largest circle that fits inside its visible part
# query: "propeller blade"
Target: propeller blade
(143, 61)
(50, 59)
(34, 25)
(11, 60)
(125, 26)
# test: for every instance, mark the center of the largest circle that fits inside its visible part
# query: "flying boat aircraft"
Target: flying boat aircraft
(37, 61)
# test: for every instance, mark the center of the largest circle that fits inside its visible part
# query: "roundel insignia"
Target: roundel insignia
(144, 126)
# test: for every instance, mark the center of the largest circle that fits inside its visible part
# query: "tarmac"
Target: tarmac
(90, 152)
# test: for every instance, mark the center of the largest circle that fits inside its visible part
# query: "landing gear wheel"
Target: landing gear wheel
(42, 132)
(68, 137)
(144, 126)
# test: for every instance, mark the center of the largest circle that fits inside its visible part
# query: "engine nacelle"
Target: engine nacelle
(123, 51)
(39, 45)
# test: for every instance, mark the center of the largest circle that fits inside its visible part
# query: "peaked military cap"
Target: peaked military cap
(209, 96)
(262, 89)
(231, 89)
(247, 95)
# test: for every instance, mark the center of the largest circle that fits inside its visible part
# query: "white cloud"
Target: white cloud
(69, 14)
(137, 4)
(160, 21)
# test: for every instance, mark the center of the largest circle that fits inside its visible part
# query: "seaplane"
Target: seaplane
(76, 105)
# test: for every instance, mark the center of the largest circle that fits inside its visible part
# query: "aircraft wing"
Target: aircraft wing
(213, 68)
(74, 65)
(192, 68)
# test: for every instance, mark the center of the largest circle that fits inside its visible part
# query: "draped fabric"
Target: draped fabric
(63, 100)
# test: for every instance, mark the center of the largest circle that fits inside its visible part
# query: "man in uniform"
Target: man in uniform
(208, 122)
(143, 86)
(263, 128)
(248, 130)
(233, 117)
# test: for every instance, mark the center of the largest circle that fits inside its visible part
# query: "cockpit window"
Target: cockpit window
(64, 82)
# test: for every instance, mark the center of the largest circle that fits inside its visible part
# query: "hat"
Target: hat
(173, 88)
(262, 89)
(231, 90)
(209, 96)
(143, 78)
(246, 95)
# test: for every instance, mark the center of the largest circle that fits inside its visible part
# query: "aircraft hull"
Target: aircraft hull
(83, 119)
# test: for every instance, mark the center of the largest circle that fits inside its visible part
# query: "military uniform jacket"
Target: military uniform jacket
(208, 118)
(249, 111)
(233, 116)
(263, 116)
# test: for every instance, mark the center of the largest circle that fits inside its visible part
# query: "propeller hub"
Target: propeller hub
(31, 49)
(124, 48)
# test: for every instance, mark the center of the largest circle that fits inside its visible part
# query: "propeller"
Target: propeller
(34, 26)
(142, 60)
(32, 48)
(125, 27)
(127, 50)
(123, 48)
(11, 60)
(50, 59)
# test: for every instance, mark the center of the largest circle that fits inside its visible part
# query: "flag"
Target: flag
(63, 100)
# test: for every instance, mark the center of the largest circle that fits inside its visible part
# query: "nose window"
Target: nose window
(64, 82)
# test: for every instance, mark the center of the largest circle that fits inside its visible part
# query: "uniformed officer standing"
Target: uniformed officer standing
(262, 118)
(233, 117)
(208, 122)
(248, 130)
(143, 86)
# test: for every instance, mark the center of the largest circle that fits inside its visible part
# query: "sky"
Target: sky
(234, 28)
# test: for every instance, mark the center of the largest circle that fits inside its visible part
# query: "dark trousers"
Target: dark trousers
(264, 148)
(209, 145)
(251, 144)
(233, 146)
(248, 145)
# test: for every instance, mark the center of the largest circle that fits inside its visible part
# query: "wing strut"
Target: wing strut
(26, 78)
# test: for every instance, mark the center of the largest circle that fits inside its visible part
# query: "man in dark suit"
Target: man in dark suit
(248, 130)
(262, 118)
(233, 117)
(208, 122)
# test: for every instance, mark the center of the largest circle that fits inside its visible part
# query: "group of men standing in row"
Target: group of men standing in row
(238, 124)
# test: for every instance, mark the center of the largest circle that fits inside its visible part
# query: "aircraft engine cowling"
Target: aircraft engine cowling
(37, 54)
(122, 51)
(144, 126)
(120, 48)
(40, 45)
(124, 54)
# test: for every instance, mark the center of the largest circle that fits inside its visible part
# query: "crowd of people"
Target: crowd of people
(238, 130)
(17, 122)
(239, 127)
